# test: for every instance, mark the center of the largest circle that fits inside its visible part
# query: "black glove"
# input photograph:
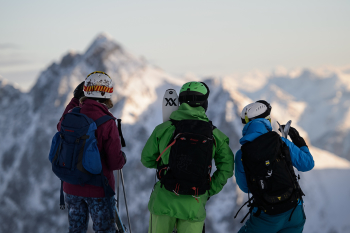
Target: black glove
(79, 92)
(124, 155)
(296, 139)
(294, 135)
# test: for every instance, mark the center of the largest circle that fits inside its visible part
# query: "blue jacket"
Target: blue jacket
(301, 157)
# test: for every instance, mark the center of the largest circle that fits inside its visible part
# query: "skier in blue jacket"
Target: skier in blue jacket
(257, 121)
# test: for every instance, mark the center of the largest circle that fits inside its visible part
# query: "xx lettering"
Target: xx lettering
(170, 101)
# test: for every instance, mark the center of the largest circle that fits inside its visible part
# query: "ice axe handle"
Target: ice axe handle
(281, 130)
(287, 127)
(284, 130)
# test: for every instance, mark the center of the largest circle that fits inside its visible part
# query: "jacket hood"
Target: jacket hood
(186, 112)
(254, 129)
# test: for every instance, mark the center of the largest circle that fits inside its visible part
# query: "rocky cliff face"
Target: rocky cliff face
(30, 192)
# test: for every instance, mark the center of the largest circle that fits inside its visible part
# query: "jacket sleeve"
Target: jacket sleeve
(301, 157)
(72, 104)
(240, 173)
(111, 145)
(224, 162)
(151, 151)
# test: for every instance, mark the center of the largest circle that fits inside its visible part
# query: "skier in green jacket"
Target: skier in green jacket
(173, 149)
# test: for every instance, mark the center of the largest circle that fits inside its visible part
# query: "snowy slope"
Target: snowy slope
(30, 192)
(327, 193)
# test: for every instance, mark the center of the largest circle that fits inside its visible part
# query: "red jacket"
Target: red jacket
(108, 144)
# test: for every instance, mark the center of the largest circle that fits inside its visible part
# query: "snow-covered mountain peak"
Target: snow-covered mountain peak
(100, 50)
(69, 59)
(102, 40)
(135, 81)
(8, 92)
(281, 71)
(5, 82)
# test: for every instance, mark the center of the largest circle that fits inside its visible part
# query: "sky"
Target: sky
(204, 37)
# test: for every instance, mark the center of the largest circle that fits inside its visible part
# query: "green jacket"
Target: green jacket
(164, 202)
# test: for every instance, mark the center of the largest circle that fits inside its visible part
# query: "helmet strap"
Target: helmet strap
(205, 105)
(246, 117)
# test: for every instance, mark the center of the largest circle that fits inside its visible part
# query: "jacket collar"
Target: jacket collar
(186, 112)
(96, 107)
(254, 129)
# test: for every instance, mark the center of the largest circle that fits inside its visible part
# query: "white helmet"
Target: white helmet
(259, 109)
(98, 84)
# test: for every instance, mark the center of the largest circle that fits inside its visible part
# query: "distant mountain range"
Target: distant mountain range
(316, 101)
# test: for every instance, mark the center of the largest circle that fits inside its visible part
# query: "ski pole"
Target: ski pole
(118, 181)
(126, 205)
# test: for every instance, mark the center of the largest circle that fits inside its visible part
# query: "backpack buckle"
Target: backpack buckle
(77, 141)
(262, 184)
(269, 173)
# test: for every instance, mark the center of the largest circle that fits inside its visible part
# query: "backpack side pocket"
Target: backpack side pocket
(91, 159)
(54, 146)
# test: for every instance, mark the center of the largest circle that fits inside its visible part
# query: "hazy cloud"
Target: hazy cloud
(14, 62)
(8, 46)
(25, 79)
(17, 59)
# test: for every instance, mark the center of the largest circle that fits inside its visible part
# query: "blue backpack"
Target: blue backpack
(74, 153)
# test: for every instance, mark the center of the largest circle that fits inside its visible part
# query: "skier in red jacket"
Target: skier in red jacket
(93, 96)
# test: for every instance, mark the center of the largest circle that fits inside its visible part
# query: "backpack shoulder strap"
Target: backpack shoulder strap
(102, 120)
(76, 109)
(174, 122)
(213, 126)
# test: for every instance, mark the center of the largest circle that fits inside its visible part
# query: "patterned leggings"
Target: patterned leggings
(78, 214)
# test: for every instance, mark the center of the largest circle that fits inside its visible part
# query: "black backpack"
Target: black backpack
(190, 159)
(270, 175)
